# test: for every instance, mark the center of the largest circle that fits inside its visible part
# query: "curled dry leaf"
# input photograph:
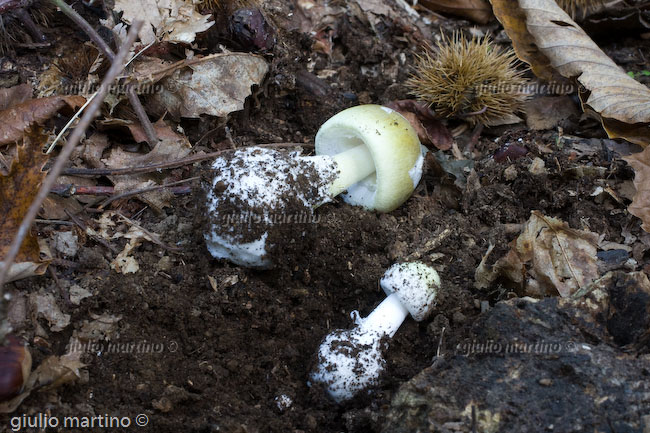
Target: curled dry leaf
(170, 147)
(53, 372)
(101, 328)
(545, 37)
(548, 112)
(14, 121)
(14, 95)
(17, 191)
(547, 258)
(44, 305)
(428, 126)
(475, 10)
(640, 206)
(216, 85)
(166, 20)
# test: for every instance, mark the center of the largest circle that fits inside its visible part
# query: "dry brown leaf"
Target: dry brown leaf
(44, 305)
(17, 191)
(53, 372)
(163, 132)
(171, 146)
(14, 95)
(93, 149)
(548, 257)
(547, 112)
(216, 85)
(14, 121)
(475, 10)
(640, 206)
(166, 20)
(375, 9)
(430, 129)
(549, 40)
(101, 328)
(313, 16)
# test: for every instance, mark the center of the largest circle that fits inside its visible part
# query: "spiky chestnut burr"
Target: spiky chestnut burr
(225, 6)
(21, 21)
(472, 79)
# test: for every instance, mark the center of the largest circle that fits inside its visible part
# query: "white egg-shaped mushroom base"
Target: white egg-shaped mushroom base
(255, 190)
(349, 361)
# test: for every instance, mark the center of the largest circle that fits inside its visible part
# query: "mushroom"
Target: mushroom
(370, 151)
(350, 361)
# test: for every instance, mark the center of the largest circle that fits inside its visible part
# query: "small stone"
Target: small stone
(232, 365)
(537, 167)
(458, 317)
(66, 243)
(164, 264)
(283, 402)
(312, 423)
(546, 382)
(164, 404)
(510, 173)
(77, 293)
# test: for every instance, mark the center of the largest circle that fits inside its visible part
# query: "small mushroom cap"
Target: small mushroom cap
(393, 144)
(416, 284)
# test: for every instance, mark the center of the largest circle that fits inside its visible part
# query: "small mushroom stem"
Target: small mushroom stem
(386, 318)
(354, 165)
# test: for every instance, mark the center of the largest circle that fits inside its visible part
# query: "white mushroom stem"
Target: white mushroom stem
(386, 318)
(353, 165)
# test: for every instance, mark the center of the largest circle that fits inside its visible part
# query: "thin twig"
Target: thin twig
(57, 222)
(473, 113)
(108, 53)
(86, 27)
(143, 190)
(67, 149)
(140, 169)
(164, 165)
(70, 122)
(154, 237)
(68, 190)
(149, 130)
(84, 227)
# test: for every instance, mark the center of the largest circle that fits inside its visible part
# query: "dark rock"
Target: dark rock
(528, 365)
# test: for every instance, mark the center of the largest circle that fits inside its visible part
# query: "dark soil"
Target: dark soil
(233, 340)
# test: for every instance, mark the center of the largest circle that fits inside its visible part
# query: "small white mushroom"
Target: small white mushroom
(370, 151)
(350, 361)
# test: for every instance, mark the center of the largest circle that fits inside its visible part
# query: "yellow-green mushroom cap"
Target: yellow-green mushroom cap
(391, 142)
